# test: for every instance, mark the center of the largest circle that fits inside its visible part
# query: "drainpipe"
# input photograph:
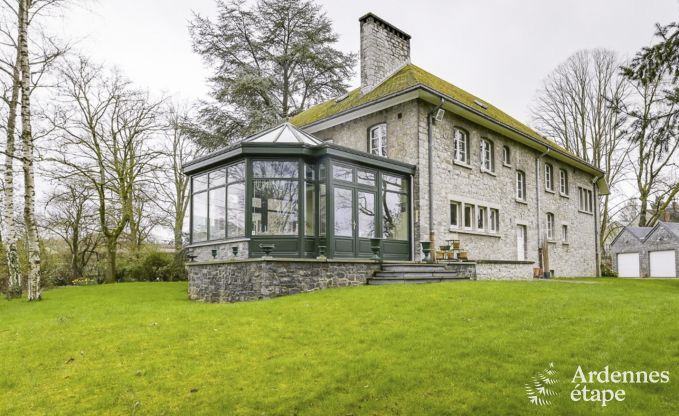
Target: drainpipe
(430, 140)
(537, 198)
(595, 204)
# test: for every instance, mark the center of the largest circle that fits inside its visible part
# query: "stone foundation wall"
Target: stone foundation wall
(499, 270)
(261, 279)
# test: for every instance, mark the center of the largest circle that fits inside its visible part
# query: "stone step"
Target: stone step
(396, 281)
(438, 274)
(414, 267)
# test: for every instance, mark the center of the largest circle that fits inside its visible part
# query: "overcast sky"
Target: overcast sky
(498, 50)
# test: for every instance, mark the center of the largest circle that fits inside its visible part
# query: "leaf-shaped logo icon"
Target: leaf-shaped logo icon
(541, 388)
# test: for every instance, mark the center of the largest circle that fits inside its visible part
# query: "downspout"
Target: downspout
(595, 204)
(537, 199)
(430, 168)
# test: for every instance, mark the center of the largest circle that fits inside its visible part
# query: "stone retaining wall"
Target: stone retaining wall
(261, 279)
(499, 270)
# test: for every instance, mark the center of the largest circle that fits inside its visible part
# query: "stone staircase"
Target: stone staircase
(420, 273)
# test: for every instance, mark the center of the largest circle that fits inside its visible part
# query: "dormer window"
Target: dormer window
(377, 140)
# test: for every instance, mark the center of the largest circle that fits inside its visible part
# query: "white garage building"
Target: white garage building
(647, 251)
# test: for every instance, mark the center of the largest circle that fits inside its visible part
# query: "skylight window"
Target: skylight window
(481, 104)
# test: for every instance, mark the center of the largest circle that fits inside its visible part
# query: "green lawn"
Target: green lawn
(457, 348)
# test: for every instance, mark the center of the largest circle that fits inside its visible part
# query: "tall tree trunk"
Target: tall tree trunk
(27, 142)
(111, 252)
(14, 270)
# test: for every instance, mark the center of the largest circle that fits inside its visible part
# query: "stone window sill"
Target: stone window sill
(561, 194)
(474, 232)
(550, 191)
(565, 243)
(488, 172)
(585, 212)
(521, 201)
(507, 165)
(462, 164)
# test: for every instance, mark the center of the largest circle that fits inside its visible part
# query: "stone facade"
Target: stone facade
(407, 132)
(504, 270)
(384, 49)
(254, 279)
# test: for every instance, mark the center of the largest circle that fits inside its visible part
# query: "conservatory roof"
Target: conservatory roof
(283, 133)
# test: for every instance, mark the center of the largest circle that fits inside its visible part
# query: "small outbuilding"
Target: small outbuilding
(647, 251)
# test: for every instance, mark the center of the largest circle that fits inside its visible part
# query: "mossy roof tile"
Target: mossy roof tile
(408, 77)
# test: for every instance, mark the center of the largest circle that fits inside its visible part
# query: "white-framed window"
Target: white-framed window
(461, 146)
(520, 185)
(564, 233)
(563, 182)
(481, 219)
(454, 214)
(506, 155)
(468, 216)
(549, 177)
(487, 155)
(494, 220)
(377, 140)
(585, 200)
(550, 226)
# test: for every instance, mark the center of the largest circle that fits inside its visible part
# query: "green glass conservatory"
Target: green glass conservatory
(302, 197)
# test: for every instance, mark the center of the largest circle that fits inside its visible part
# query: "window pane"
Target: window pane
(237, 172)
(217, 213)
(309, 173)
(468, 216)
(395, 216)
(236, 210)
(343, 173)
(274, 207)
(199, 231)
(199, 183)
(454, 214)
(394, 183)
(366, 214)
(344, 199)
(481, 218)
(322, 220)
(217, 178)
(275, 169)
(310, 210)
(365, 177)
(378, 140)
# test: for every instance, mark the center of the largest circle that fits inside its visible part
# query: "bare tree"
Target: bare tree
(171, 183)
(71, 214)
(576, 107)
(104, 127)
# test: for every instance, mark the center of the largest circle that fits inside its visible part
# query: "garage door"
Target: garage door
(628, 265)
(663, 264)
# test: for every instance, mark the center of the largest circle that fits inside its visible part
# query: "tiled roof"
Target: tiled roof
(408, 77)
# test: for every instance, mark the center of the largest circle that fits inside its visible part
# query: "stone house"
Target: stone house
(506, 192)
(646, 251)
(404, 158)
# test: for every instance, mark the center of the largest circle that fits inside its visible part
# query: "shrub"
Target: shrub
(152, 265)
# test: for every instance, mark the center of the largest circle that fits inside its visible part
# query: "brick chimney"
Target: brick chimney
(384, 49)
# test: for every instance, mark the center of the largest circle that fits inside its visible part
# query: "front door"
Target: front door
(354, 212)
(521, 242)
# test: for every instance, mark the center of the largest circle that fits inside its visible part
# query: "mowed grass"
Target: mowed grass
(439, 349)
